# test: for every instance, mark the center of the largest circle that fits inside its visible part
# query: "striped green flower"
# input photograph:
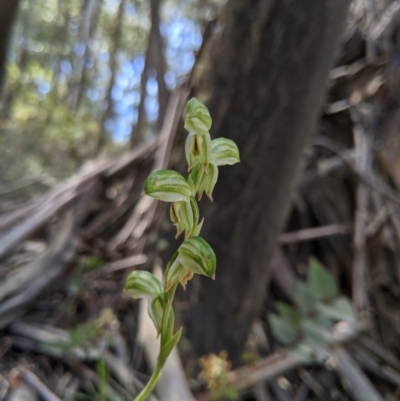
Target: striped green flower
(196, 255)
(143, 284)
(197, 116)
(185, 216)
(167, 186)
(225, 151)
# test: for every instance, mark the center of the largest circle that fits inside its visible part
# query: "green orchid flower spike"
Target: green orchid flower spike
(195, 255)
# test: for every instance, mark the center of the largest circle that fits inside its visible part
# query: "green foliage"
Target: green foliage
(195, 255)
(306, 329)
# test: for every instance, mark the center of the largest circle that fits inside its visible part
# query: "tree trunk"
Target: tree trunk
(8, 11)
(154, 59)
(269, 71)
(115, 43)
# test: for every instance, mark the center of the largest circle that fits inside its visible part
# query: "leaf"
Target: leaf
(156, 309)
(339, 309)
(197, 229)
(302, 353)
(197, 116)
(289, 313)
(313, 331)
(143, 284)
(167, 186)
(225, 152)
(305, 298)
(168, 347)
(196, 255)
(283, 329)
(320, 281)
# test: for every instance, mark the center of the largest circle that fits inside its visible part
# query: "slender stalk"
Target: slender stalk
(151, 384)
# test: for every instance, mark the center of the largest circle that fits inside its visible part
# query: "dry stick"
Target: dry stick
(55, 203)
(23, 393)
(34, 337)
(378, 222)
(353, 378)
(371, 364)
(23, 222)
(381, 352)
(130, 262)
(53, 264)
(360, 264)
(309, 234)
(32, 380)
(372, 181)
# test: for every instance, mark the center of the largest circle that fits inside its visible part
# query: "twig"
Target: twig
(32, 380)
(53, 264)
(353, 378)
(23, 393)
(130, 262)
(309, 234)
(380, 351)
(371, 180)
(360, 263)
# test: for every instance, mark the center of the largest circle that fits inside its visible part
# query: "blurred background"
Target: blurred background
(306, 228)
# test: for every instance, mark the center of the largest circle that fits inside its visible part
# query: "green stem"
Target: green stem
(151, 384)
(155, 377)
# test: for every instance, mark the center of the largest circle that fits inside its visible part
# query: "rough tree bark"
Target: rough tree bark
(8, 11)
(266, 81)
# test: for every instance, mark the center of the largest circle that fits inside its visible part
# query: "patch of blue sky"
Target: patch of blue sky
(79, 49)
(117, 93)
(92, 94)
(151, 106)
(152, 86)
(170, 80)
(109, 124)
(138, 64)
(43, 86)
(104, 56)
(132, 98)
(122, 108)
(121, 131)
(122, 80)
(126, 68)
(65, 67)
(89, 62)
(130, 10)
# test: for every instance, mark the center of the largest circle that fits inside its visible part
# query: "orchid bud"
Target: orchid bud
(143, 284)
(193, 148)
(225, 151)
(197, 256)
(167, 186)
(185, 216)
(205, 156)
(197, 116)
(208, 181)
(175, 272)
(195, 178)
